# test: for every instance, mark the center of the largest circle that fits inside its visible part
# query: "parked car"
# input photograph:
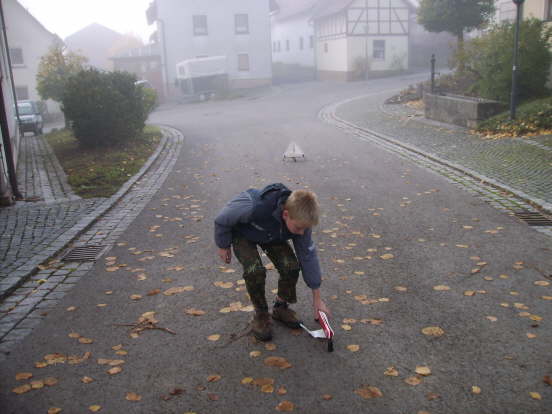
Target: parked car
(30, 118)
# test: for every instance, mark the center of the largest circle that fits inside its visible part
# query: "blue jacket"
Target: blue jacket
(257, 216)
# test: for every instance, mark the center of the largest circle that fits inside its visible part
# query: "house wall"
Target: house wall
(9, 103)
(396, 52)
(34, 40)
(221, 39)
(293, 30)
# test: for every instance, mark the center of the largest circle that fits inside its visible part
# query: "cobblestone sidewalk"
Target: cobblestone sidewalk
(521, 165)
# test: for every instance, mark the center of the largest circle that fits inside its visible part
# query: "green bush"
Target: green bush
(104, 108)
(532, 117)
(489, 59)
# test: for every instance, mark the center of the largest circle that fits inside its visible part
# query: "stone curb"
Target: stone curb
(537, 203)
(54, 248)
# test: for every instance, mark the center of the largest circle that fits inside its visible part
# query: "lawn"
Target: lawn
(100, 172)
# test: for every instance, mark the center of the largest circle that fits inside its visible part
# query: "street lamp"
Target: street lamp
(513, 97)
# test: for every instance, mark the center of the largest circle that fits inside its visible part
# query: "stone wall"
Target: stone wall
(460, 110)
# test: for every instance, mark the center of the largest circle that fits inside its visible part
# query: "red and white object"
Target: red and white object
(325, 333)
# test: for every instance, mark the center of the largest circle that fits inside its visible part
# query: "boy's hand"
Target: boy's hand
(320, 306)
(225, 255)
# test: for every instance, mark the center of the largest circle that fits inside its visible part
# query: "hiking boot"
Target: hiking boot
(282, 313)
(261, 326)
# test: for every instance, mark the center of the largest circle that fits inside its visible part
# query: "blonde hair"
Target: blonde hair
(302, 206)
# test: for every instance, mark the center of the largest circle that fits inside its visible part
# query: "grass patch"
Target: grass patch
(532, 118)
(100, 172)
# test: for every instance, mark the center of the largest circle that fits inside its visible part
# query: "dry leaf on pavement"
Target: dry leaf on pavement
(433, 331)
(277, 362)
(414, 380)
(95, 408)
(391, 372)
(213, 378)
(367, 392)
(353, 348)
(54, 410)
(23, 376)
(22, 389)
(285, 406)
(423, 370)
(132, 396)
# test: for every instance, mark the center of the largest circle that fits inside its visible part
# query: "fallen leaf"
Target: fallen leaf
(23, 376)
(22, 389)
(87, 380)
(542, 283)
(114, 370)
(346, 327)
(213, 378)
(277, 362)
(492, 318)
(83, 340)
(353, 348)
(247, 380)
(50, 381)
(535, 395)
(531, 336)
(367, 392)
(154, 292)
(285, 406)
(469, 293)
(423, 370)
(95, 408)
(213, 338)
(174, 290)
(194, 312)
(414, 380)
(71, 309)
(135, 297)
(36, 385)
(270, 346)
(387, 256)
(132, 396)
(74, 335)
(268, 388)
(391, 372)
(213, 397)
(432, 396)
(401, 289)
(281, 391)
(441, 287)
(255, 354)
(476, 390)
(547, 380)
(54, 410)
(327, 397)
(433, 331)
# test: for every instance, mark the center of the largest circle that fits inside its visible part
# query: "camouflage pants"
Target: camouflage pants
(254, 272)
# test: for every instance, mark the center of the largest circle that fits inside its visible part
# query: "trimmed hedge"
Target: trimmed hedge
(105, 108)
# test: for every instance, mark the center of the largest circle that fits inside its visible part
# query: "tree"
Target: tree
(455, 16)
(54, 69)
(489, 59)
(105, 108)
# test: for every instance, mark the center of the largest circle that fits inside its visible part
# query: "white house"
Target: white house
(353, 34)
(28, 41)
(293, 33)
(237, 29)
(9, 132)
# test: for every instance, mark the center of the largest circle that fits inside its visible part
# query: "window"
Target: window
(22, 93)
(325, 48)
(311, 41)
(242, 23)
(301, 44)
(200, 25)
(379, 49)
(279, 46)
(243, 62)
(274, 47)
(16, 56)
(287, 45)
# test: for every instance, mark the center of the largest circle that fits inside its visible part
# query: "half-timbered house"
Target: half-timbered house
(357, 37)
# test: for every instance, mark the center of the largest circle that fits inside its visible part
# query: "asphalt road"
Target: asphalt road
(484, 264)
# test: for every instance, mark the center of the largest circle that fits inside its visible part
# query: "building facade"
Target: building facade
(357, 37)
(8, 125)
(239, 30)
(28, 41)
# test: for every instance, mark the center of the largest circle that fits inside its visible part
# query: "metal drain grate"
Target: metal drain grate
(533, 218)
(88, 253)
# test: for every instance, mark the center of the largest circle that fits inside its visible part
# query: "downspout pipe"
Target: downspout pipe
(6, 141)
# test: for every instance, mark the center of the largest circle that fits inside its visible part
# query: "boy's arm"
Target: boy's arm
(237, 210)
(310, 267)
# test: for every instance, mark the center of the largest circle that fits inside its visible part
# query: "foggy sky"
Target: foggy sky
(65, 17)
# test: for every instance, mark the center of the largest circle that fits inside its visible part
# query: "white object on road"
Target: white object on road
(293, 151)
(315, 334)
